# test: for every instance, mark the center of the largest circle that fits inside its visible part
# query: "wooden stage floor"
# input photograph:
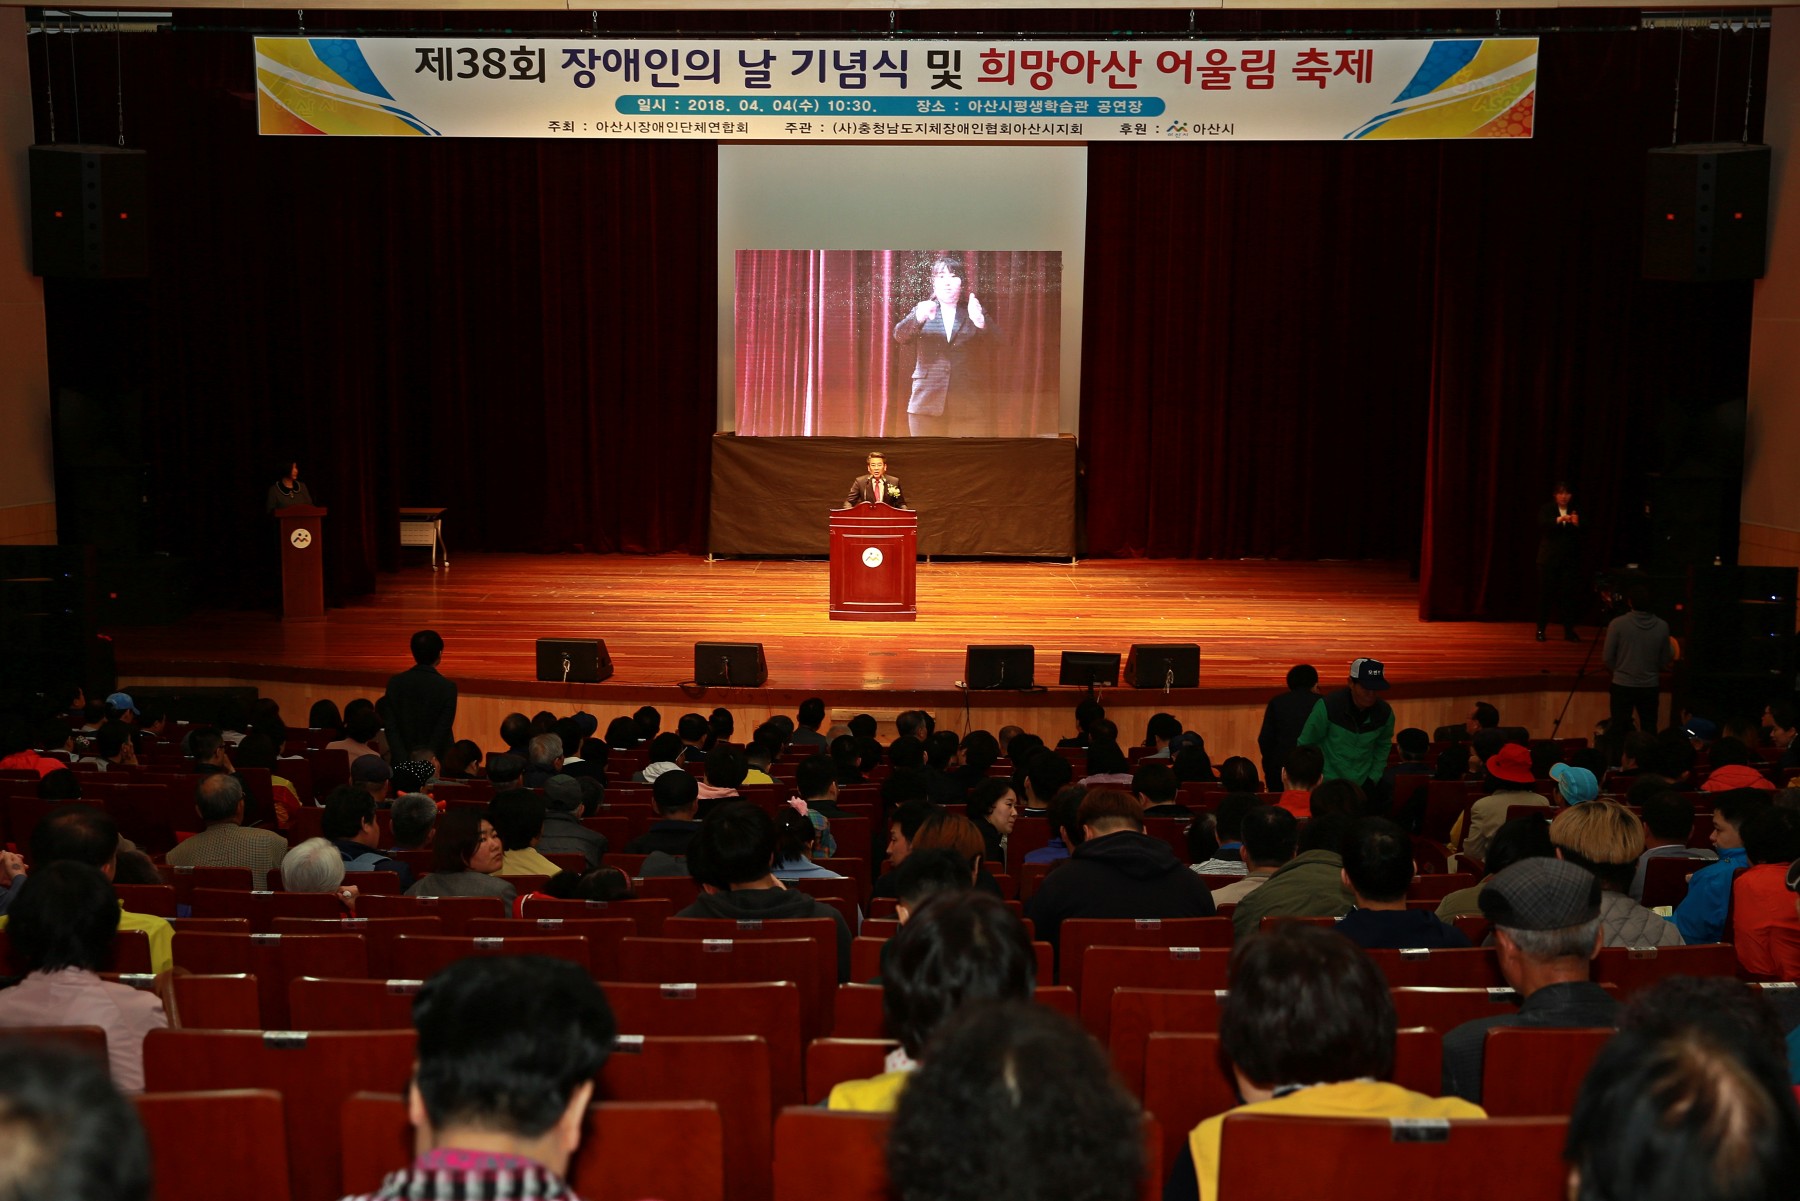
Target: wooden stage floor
(1252, 621)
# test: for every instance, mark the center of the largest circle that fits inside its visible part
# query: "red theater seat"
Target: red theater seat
(604, 935)
(1529, 1071)
(313, 1072)
(191, 1163)
(1634, 969)
(454, 912)
(732, 961)
(1456, 967)
(378, 933)
(230, 1002)
(1362, 1159)
(770, 1010)
(1137, 1013)
(848, 1150)
(1080, 933)
(420, 957)
(733, 1073)
(1107, 968)
(273, 959)
(648, 912)
(316, 1003)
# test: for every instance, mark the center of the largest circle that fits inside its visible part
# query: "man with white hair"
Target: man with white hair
(317, 866)
(226, 842)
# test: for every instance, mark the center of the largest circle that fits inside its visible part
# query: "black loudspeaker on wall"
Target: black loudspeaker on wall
(89, 216)
(1706, 212)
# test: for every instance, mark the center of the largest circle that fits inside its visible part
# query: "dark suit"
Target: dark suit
(946, 392)
(862, 492)
(421, 711)
(1559, 566)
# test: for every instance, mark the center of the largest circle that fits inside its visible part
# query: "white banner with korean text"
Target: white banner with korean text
(886, 90)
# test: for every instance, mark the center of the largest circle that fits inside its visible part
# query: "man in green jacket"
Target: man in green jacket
(1353, 728)
(1311, 884)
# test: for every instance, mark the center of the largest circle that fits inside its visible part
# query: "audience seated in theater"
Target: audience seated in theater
(815, 788)
(664, 756)
(1269, 833)
(721, 726)
(565, 804)
(466, 857)
(1782, 721)
(1606, 838)
(1688, 1100)
(1378, 869)
(622, 734)
(372, 775)
(1765, 926)
(760, 753)
(733, 861)
(957, 948)
(1733, 766)
(111, 747)
(543, 759)
(83, 834)
(1508, 778)
(1157, 790)
(1301, 772)
(1311, 884)
(1159, 732)
(1285, 716)
(941, 751)
(1039, 776)
(1668, 824)
(1107, 766)
(17, 754)
(1308, 1029)
(1015, 1103)
(724, 770)
(259, 750)
(906, 817)
(847, 761)
(66, 1131)
(796, 844)
(1546, 919)
(1414, 746)
(994, 808)
(316, 866)
(360, 732)
(59, 785)
(807, 720)
(508, 1049)
(225, 842)
(349, 822)
(1519, 839)
(462, 762)
(1228, 834)
(324, 715)
(1065, 826)
(649, 722)
(1575, 785)
(1190, 763)
(1238, 774)
(1087, 711)
(1701, 915)
(414, 815)
(518, 817)
(1117, 871)
(977, 752)
(62, 928)
(692, 732)
(945, 831)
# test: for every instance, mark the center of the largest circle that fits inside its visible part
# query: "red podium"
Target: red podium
(302, 563)
(874, 561)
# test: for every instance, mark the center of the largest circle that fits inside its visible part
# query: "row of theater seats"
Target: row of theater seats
(689, 1119)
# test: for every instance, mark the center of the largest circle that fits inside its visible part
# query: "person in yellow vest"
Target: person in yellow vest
(1308, 1028)
(84, 834)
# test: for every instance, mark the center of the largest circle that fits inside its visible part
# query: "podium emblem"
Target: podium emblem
(301, 538)
(871, 556)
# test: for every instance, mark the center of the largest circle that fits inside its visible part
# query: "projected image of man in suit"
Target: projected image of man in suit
(949, 330)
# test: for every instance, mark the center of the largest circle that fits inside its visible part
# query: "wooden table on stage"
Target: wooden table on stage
(424, 527)
(874, 564)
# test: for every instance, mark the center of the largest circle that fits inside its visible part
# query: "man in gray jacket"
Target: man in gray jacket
(1637, 650)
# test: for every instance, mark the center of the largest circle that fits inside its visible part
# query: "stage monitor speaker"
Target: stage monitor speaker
(1706, 212)
(1163, 665)
(90, 215)
(989, 667)
(730, 664)
(1088, 669)
(573, 660)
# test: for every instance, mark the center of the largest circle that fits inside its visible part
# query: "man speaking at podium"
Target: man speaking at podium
(877, 487)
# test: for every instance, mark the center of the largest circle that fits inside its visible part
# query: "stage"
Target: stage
(1252, 620)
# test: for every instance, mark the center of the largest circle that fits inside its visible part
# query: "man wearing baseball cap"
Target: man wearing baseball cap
(1546, 916)
(1353, 728)
(1509, 777)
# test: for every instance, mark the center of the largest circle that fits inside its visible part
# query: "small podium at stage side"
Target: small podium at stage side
(874, 553)
(302, 570)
